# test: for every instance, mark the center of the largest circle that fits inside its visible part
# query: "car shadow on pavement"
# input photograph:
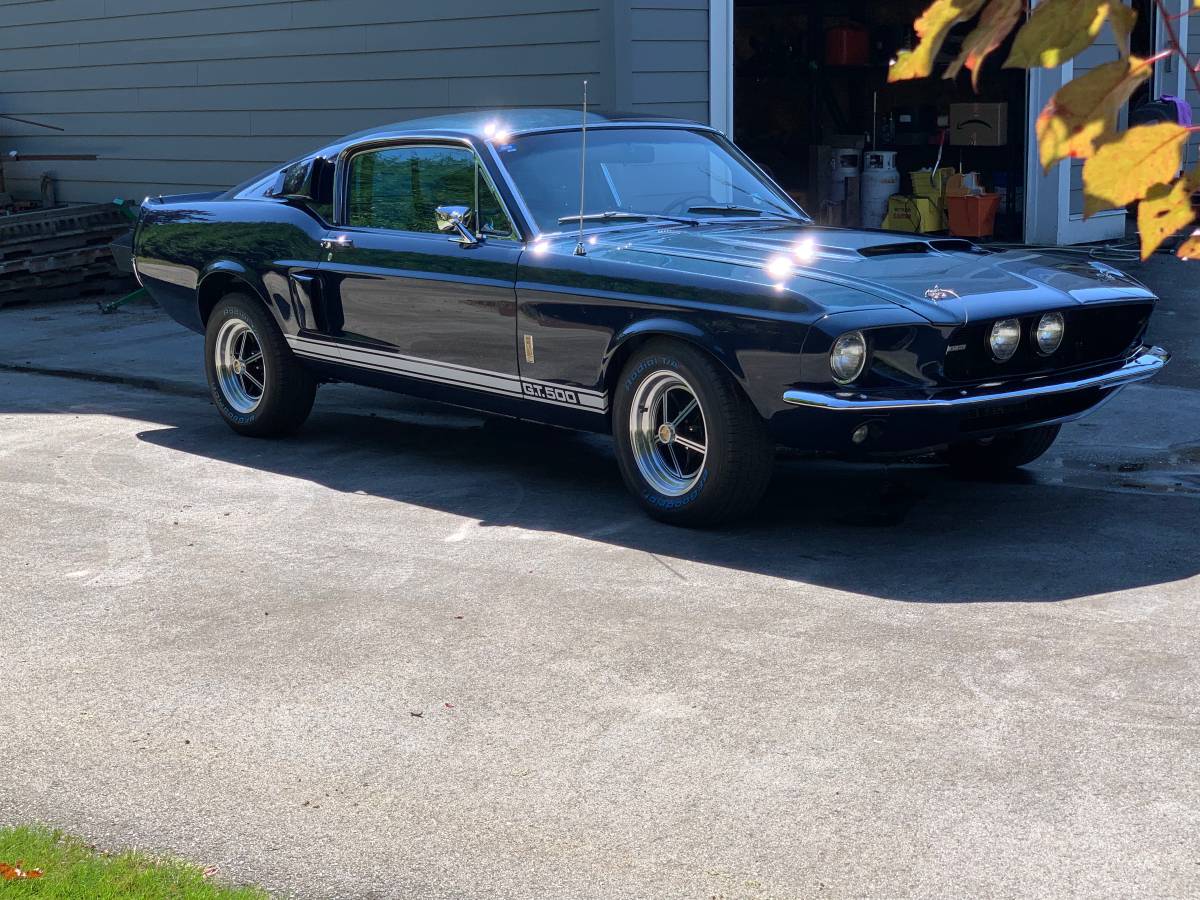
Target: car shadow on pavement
(908, 533)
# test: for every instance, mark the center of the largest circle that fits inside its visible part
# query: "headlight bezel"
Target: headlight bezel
(1037, 333)
(1011, 323)
(859, 339)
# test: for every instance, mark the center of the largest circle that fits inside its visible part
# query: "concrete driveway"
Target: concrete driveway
(414, 653)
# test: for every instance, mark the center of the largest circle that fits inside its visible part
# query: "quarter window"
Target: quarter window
(400, 188)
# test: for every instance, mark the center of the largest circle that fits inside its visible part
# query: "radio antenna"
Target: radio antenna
(579, 250)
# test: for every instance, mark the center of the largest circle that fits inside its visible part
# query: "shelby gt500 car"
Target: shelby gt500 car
(634, 276)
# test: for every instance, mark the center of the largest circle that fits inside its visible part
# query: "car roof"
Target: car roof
(479, 125)
(484, 123)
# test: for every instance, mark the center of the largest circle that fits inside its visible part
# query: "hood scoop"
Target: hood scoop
(908, 248)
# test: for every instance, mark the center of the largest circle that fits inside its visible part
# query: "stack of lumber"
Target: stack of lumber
(54, 254)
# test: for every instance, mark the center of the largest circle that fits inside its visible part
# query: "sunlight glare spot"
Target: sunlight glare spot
(779, 268)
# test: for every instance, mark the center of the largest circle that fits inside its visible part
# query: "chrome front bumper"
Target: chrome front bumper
(1145, 364)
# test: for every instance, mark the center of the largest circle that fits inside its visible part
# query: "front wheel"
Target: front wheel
(257, 385)
(691, 447)
(1004, 452)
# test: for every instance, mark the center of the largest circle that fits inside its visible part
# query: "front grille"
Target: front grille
(1092, 336)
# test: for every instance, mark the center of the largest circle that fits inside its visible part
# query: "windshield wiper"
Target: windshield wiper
(617, 215)
(732, 209)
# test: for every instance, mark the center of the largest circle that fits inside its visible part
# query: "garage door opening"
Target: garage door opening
(802, 86)
(810, 81)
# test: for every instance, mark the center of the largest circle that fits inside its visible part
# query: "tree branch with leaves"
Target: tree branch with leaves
(1142, 164)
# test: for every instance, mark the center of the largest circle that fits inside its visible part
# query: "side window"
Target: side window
(399, 188)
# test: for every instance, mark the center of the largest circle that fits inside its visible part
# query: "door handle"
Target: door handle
(341, 242)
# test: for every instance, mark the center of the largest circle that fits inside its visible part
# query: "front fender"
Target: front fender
(667, 327)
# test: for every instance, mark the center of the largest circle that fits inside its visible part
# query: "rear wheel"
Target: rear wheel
(257, 385)
(691, 447)
(1002, 453)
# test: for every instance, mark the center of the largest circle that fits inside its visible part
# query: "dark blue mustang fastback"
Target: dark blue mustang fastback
(676, 297)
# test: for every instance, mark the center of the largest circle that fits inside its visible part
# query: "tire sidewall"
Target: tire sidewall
(668, 359)
(238, 307)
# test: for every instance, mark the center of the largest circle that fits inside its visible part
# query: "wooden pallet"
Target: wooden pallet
(67, 283)
(47, 254)
(44, 223)
(96, 285)
(68, 258)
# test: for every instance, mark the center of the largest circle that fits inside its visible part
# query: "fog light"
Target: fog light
(861, 433)
(848, 357)
(1050, 332)
(1005, 338)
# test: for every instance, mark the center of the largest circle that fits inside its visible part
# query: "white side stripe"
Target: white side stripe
(588, 399)
(450, 373)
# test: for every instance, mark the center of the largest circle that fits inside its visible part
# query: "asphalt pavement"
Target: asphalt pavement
(413, 652)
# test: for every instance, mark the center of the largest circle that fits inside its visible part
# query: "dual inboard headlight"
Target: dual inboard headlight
(1006, 336)
(848, 357)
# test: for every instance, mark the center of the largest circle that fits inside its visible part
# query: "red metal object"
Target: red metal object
(847, 45)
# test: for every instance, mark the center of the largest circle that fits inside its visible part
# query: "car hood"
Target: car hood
(945, 280)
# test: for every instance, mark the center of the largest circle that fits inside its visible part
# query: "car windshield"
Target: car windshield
(676, 172)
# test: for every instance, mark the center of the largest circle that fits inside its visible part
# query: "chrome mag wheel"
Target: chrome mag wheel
(241, 370)
(668, 433)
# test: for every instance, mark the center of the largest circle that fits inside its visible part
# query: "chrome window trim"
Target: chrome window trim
(416, 142)
(529, 230)
(606, 126)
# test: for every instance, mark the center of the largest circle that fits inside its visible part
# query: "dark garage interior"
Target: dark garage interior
(813, 74)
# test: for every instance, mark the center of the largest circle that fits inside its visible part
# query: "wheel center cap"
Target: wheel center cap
(666, 433)
(237, 367)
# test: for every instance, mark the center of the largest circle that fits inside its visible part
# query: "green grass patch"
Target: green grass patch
(71, 868)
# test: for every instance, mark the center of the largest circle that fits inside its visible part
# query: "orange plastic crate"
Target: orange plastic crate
(973, 215)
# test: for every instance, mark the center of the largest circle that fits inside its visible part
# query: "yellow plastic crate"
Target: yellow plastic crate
(931, 184)
(919, 215)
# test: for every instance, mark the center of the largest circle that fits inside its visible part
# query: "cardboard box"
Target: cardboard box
(978, 124)
(964, 185)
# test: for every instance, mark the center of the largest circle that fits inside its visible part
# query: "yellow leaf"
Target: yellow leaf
(1124, 169)
(1190, 249)
(994, 25)
(933, 26)
(1083, 113)
(1059, 29)
(1166, 210)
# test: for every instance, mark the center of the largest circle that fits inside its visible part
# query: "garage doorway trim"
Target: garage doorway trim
(720, 65)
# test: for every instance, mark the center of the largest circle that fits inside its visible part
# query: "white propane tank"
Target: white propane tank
(843, 164)
(880, 181)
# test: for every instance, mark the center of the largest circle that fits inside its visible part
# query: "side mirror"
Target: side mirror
(455, 218)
